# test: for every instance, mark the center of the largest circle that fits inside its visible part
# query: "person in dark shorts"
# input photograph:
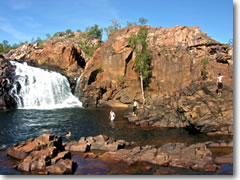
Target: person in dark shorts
(219, 84)
(135, 104)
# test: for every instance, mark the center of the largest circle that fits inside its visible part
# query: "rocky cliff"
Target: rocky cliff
(176, 63)
(178, 95)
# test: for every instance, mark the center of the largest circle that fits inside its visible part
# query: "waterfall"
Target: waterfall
(77, 92)
(42, 89)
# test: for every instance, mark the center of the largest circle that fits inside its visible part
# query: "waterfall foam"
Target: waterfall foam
(42, 89)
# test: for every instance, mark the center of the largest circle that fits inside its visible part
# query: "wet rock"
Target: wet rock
(212, 167)
(43, 155)
(91, 155)
(23, 149)
(76, 146)
(147, 168)
(100, 142)
(7, 80)
(195, 156)
(220, 144)
(61, 155)
(227, 159)
(38, 160)
(62, 167)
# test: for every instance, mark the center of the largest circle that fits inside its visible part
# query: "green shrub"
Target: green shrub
(121, 79)
(88, 50)
(204, 73)
(100, 70)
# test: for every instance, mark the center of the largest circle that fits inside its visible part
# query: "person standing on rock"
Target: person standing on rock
(112, 115)
(135, 105)
(219, 84)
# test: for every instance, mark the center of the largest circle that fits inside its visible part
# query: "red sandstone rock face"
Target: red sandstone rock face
(22, 52)
(176, 63)
(58, 55)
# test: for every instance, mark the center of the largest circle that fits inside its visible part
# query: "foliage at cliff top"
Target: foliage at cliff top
(139, 45)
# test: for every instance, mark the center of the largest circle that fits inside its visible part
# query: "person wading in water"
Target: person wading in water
(112, 115)
(135, 104)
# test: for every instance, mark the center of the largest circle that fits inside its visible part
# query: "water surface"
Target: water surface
(19, 125)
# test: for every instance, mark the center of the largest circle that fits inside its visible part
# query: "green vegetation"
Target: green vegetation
(48, 36)
(5, 47)
(88, 50)
(94, 32)
(116, 25)
(121, 79)
(148, 99)
(142, 20)
(90, 32)
(139, 45)
(100, 70)
(112, 28)
(68, 31)
(59, 34)
(204, 72)
(131, 24)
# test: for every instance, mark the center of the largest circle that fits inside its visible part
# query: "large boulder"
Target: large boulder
(42, 155)
(23, 149)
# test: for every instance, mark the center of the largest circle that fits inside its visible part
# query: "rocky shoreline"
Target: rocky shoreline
(47, 154)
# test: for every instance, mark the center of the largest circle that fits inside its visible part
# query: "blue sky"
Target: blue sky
(22, 20)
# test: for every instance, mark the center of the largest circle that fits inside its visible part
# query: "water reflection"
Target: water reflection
(20, 125)
(112, 124)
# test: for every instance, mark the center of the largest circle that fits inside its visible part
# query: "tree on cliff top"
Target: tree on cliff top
(142, 61)
(116, 25)
(142, 20)
(94, 31)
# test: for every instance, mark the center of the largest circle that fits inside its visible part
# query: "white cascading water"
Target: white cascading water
(77, 92)
(43, 89)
